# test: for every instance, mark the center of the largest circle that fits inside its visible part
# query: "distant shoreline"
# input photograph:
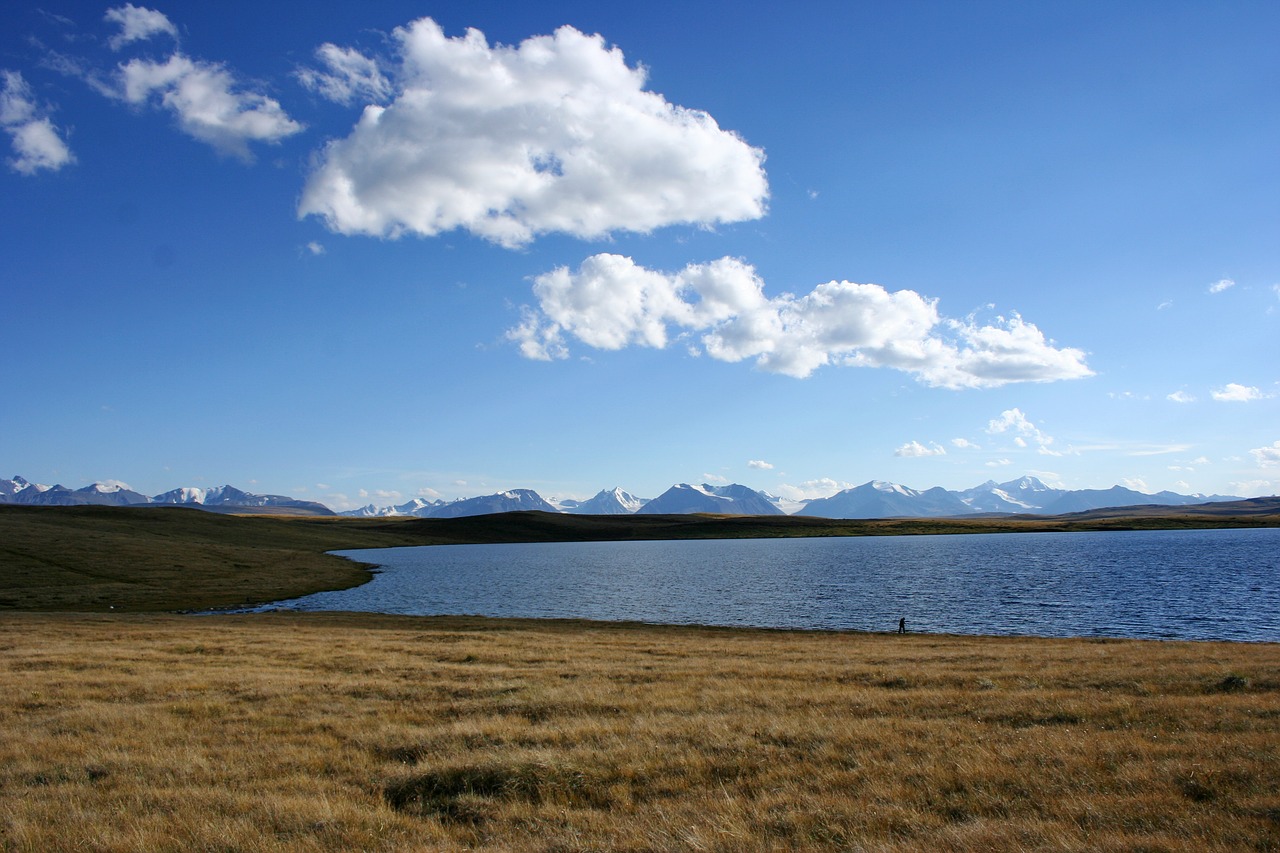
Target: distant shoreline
(146, 559)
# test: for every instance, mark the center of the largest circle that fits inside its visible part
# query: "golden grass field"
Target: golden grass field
(313, 732)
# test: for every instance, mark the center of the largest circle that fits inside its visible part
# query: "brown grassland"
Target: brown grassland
(331, 732)
(334, 732)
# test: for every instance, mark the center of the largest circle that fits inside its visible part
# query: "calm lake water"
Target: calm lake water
(1208, 584)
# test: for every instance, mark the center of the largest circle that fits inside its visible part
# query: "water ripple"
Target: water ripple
(1210, 584)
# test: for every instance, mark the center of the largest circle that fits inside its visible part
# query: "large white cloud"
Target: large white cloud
(556, 134)
(611, 302)
(36, 142)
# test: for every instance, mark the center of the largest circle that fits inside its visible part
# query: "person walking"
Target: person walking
(902, 625)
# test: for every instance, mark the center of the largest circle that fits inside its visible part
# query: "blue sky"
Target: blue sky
(351, 253)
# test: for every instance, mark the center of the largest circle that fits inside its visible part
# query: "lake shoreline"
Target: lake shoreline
(126, 559)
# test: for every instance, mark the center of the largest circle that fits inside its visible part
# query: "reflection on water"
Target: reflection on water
(1213, 584)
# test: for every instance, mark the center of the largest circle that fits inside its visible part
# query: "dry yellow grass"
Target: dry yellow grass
(330, 732)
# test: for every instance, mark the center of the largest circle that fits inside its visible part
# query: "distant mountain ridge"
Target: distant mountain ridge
(733, 499)
(114, 493)
(607, 502)
(878, 499)
(874, 499)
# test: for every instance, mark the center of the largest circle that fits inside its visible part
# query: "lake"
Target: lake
(1200, 585)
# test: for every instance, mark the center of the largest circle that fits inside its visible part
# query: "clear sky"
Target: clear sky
(362, 252)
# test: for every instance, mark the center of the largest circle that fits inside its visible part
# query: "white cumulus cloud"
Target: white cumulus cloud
(556, 134)
(611, 302)
(36, 142)
(1267, 457)
(1221, 285)
(136, 24)
(1023, 430)
(1012, 420)
(760, 465)
(964, 444)
(1235, 393)
(914, 449)
(823, 487)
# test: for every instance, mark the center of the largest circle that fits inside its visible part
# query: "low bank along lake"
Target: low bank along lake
(1167, 584)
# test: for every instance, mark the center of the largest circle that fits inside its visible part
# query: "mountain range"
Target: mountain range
(114, 493)
(875, 499)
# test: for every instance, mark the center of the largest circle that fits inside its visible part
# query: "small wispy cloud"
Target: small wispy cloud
(964, 444)
(1159, 450)
(760, 465)
(347, 75)
(1255, 487)
(1267, 457)
(1221, 285)
(914, 449)
(1235, 393)
(206, 98)
(1181, 397)
(137, 24)
(36, 141)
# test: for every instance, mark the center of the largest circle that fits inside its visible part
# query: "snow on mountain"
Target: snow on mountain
(733, 499)
(111, 493)
(608, 502)
(787, 506)
(9, 489)
(514, 500)
(116, 493)
(878, 499)
(188, 495)
(1024, 495)
(419, 507)
(875, 499)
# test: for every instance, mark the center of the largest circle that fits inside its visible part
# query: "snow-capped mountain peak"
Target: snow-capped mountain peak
(894, 488)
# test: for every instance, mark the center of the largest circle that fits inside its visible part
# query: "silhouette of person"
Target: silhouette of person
(902, 625)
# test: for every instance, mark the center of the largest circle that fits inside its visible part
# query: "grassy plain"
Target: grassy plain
(332, 732)
(319, 732)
